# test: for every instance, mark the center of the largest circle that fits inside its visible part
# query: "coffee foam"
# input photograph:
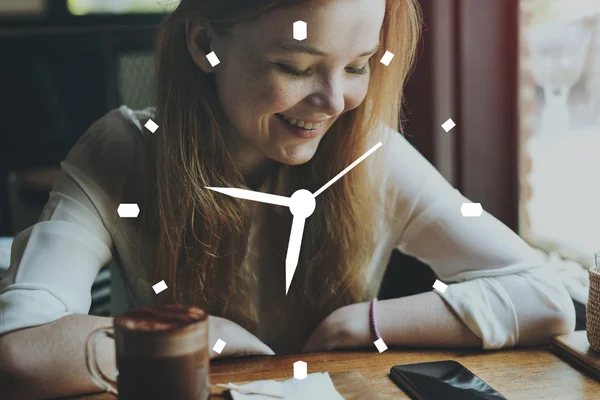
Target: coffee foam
(162, 331)
(160, 318)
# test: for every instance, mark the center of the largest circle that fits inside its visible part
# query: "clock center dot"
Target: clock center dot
(303, 203)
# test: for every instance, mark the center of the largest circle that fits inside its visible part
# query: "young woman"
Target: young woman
(230, 125)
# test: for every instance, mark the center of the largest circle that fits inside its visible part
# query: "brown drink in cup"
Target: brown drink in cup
(161, 352)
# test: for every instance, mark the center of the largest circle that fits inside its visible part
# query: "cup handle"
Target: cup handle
(91, 360)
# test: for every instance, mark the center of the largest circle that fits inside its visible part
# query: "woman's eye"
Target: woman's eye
(360, 71)
(292, 71)
(296, 73)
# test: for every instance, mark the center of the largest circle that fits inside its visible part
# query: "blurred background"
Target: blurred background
(520, 78)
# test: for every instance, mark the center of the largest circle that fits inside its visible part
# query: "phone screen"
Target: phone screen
(441, 380)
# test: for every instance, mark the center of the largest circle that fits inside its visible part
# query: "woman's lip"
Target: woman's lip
(299, 132)
(305, 120)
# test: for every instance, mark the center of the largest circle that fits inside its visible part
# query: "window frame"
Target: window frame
(468, 70)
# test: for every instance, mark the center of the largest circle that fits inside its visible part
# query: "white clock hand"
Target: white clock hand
(348, 168)
(251, 195)
(302, 206)
(293, 251)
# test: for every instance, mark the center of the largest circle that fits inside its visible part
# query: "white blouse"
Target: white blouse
(497, 284)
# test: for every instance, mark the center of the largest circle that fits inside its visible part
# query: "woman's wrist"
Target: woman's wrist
(357, 325)
(375, 334)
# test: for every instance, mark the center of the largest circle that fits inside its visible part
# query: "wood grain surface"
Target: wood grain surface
(531, 373)
(351, 385)
(575, 348)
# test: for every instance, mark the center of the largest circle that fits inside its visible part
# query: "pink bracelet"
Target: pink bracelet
(373, 319)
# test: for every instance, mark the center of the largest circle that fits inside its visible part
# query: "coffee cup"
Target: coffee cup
(161, 353)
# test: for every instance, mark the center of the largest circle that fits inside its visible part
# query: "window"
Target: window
(22, 8)
(83, 7)
(559, 140)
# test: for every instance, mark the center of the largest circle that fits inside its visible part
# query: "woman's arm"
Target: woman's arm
(424, 319)
(498, 286)
(420, 320)
(48, 360)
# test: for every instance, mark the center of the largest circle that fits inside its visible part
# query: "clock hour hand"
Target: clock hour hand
(302, 206)
(293, 251)
(348, 168)
(252, 195)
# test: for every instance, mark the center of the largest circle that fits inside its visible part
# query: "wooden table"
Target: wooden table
(521, 373)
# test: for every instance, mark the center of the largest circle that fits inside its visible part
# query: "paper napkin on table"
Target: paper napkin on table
(315, 386)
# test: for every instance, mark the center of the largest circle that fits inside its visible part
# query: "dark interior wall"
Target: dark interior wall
(53, 87)
(58, 74)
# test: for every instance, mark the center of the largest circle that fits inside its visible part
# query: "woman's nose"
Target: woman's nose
(329, 99)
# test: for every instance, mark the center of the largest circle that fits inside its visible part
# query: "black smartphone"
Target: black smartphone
(441, 380)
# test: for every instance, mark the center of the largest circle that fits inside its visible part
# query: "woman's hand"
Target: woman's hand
(346, 327)
(239, 341)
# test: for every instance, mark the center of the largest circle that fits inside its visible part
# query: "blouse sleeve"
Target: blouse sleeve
(54, 262)
(497, 284)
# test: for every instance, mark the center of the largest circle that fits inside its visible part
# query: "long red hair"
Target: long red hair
(200, 237)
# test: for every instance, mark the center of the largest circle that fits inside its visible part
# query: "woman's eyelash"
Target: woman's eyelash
(294, 72)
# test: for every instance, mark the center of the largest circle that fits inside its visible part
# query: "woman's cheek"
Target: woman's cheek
(268, 87)
(277, 92)
(357, 96)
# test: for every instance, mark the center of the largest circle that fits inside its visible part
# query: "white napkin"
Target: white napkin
(315, 386)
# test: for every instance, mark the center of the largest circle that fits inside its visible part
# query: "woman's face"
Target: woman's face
(259, 81)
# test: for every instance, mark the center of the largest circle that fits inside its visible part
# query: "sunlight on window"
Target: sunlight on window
(560, 126)
(22, 7)
(84, 7)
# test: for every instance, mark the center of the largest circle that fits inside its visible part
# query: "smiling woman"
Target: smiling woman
(230, 125)
(248, 123)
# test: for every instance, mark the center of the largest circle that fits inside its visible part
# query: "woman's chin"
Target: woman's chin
(296, 159)
(295, 163)
(295, 154)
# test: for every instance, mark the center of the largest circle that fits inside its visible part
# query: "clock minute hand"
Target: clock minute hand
(252, 195)
(348, 168)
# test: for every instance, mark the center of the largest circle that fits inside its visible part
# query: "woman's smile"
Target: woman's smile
(302, 129)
